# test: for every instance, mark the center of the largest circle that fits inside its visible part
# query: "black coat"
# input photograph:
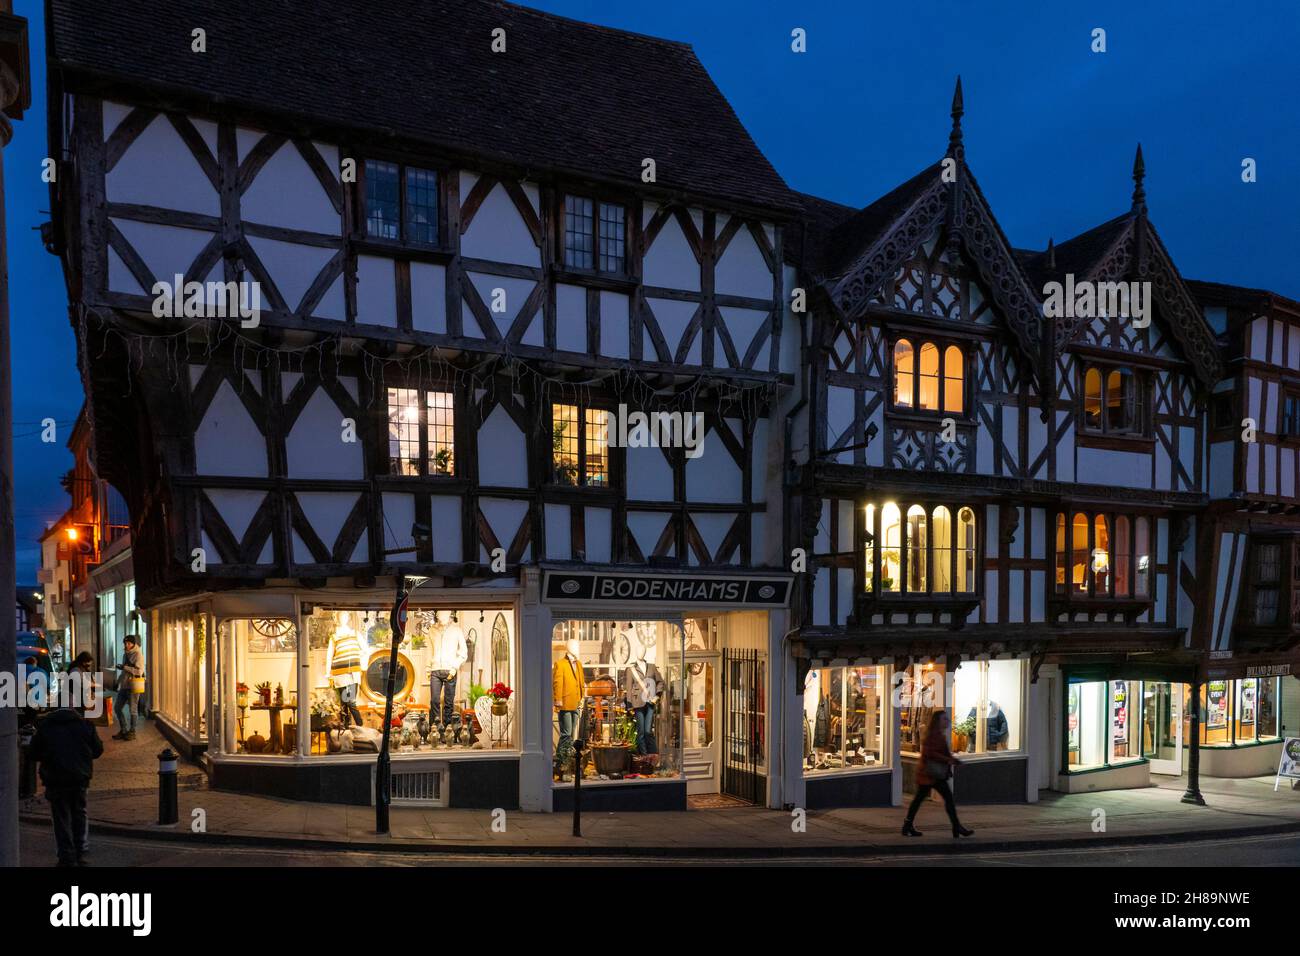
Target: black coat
(66, 745)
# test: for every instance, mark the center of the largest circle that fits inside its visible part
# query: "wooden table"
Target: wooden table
(277, 742)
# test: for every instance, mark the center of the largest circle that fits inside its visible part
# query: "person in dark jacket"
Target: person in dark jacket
(936, 766)
(127, 701)
(65, 747)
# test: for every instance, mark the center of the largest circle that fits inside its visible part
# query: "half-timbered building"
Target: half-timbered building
(464, 270)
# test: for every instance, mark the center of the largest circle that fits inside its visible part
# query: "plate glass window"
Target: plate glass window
(845, 713)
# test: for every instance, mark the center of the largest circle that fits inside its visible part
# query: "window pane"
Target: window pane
(404, 431)
(1061, 562)
(1119, 400)
(579, 229)
(1245, 714)
(929, 377)
(1124, 740)
(917, 550)
(597, 447)
(986, 706)
(1100, 557)
(564, 443)
(1217, 696)
(1123, 555)
(904, 373)
(966, 551)
(382, 219)
(612, 227)
(891, 552)
(1092, 399)
(1142, 550)
(953, 379)
(869, 551)
(1087, 720)
(442, 431)
(421, 205)
(1268, 698)
(1079, 557)
(942, 531)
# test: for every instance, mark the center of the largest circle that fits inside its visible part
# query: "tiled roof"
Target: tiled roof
(806, 247)
(565, 95)
(850, 238)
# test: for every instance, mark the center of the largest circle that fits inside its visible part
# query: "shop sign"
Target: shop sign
(1288, 764)
(673, 589)
(1268, 670)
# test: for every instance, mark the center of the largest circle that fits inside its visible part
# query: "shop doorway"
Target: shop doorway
(743, 726)
(1162, 731)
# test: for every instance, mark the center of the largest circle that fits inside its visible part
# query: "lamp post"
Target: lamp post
(383, 773)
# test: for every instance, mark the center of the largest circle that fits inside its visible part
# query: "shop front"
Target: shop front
(1245, 717)
(285, 691)
(664, 680)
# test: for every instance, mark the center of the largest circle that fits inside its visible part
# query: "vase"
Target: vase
(499, 707)
(611, 760)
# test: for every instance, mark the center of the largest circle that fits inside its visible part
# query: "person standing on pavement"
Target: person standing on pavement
(65, 746)
(128, 672)
(933, 773)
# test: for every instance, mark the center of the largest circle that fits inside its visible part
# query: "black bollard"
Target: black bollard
(26, 765)
(577, 787)
(167, 787)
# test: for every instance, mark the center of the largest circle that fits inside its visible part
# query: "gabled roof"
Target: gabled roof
(565, 96)
(848, 238)
(1256, 301)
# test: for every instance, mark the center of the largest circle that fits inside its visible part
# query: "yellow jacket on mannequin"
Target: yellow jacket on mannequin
(568, 683)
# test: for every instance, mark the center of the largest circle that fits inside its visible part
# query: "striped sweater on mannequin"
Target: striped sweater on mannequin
(345, 658)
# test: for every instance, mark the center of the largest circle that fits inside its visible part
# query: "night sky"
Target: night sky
(1050, 129)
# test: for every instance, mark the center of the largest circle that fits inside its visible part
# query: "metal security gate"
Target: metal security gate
(743, 758)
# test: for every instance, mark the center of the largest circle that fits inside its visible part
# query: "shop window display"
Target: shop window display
(262, 665)
(453, 685)
(845, 716)
(1237, 712)
(1102, 723)
(986, 706)
(618, 687)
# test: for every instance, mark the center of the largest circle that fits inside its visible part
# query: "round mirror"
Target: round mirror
(376, 678)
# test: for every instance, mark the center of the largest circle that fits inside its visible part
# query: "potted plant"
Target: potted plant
(241, 694)
(500, 693)
(615, 758)
(264, 693)
(324, 709)
(963, 733)
(442, 461)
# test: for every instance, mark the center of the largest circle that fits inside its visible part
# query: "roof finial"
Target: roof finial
(1051, 254)
(955, 148)
(1139, 173)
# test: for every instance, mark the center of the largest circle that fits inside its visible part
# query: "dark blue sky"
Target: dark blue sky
(1050, 130)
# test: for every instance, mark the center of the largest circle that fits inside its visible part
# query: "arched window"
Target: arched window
(966, 551)
(869, 551)
(1062, 565)
(1100, 557)
(941, 531)
(918, 552)
(1079, 556)
(891, 550)
(1092, 399)
(1123, 551)
(904, 374)
(929, 377)
(1121, 401)
(954, 384)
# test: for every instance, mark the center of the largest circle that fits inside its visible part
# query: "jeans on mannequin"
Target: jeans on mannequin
(442, 684)
(568, 724)
(348, 702)
(645, 722)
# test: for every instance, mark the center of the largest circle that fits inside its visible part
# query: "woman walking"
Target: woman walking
(934, 772)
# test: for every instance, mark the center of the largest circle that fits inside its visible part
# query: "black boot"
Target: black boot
(960, 831)
(909, 830)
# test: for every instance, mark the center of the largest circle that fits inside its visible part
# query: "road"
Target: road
(37, 849)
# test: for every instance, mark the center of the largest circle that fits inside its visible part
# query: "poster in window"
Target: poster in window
(1248, 702)
(1074, 719)
(1216, 711)
(1121, 711)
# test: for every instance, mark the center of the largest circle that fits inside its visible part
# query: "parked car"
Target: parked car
(33, 644)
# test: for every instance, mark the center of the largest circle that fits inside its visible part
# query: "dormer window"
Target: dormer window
(929, 376)
(1114, 401)
(595, 235)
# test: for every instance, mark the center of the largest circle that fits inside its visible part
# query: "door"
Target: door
(1162, 729)
(700, 745)
(744, 763)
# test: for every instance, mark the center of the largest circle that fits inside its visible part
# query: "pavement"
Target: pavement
(123, 802)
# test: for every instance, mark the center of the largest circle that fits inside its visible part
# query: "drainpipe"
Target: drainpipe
(15, 96)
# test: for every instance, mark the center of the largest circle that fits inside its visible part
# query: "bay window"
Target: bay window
(1103, 555)
(919, 549)
(1114, 401)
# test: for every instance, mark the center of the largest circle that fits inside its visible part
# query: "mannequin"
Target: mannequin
(448, 653)
(642, 691)
(996, 724)
(344, 658)
(569, 685)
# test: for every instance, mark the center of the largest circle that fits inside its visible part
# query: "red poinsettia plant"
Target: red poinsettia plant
(500, 691)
